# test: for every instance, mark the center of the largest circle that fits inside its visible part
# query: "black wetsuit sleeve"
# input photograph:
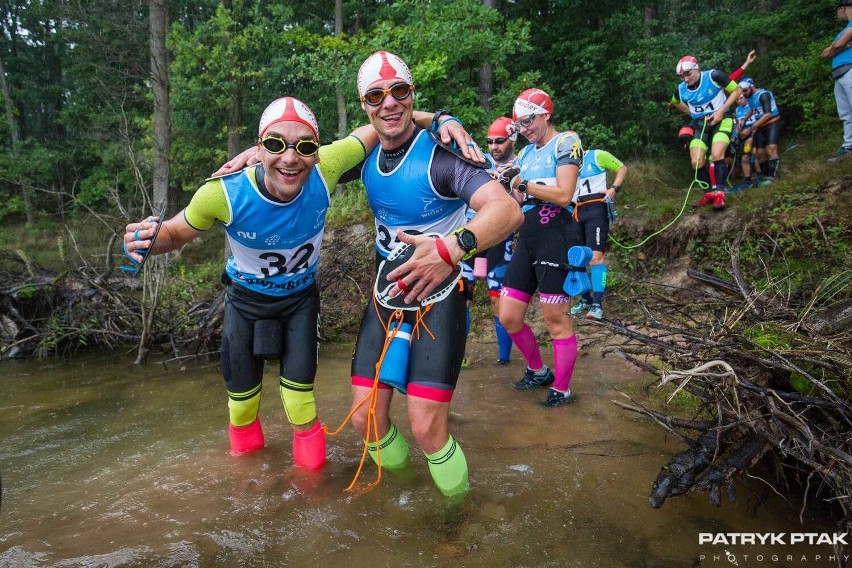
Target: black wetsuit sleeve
(453, 177)
(351, 174)
(720, 78)
(765, 100)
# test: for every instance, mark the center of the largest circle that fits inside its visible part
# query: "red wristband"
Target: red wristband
(444, 252)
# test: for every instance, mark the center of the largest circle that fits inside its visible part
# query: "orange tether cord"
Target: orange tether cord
(373, 395)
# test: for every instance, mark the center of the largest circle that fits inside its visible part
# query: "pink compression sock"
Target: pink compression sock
(526, 343)
(309, 447)
(564, 357)
(245, 439)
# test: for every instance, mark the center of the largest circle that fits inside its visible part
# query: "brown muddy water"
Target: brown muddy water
(106, 465)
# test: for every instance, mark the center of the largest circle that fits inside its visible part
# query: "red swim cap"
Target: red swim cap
(503, 127)
(532, 101)
(287, 109)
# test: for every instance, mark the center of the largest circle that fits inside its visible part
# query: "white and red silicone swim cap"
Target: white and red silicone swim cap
(503, 127)
(287, 109)
(686, 63)
(532, 101)
(381, 66)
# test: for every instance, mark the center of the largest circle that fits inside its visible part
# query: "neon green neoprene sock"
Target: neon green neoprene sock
(243, 406)
(448, 467)
(298, 399)
(393, 447)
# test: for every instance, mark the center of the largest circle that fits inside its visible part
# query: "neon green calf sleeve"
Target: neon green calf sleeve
(394, 449)
(448, 467)
(243, 406)
(299, 402)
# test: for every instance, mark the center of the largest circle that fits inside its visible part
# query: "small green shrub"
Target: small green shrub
(350, 207)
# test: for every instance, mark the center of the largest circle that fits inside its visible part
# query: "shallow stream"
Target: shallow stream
(104, 464)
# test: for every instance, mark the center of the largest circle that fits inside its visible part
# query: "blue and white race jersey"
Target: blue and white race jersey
(754, 102)
(539, 165)
(592, 179)
(275, 245)
(742, 112)
(705, 99)
(405, 198)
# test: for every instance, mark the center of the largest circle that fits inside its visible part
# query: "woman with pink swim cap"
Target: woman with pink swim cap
(549, 168)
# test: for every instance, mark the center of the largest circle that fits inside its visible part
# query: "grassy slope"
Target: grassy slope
(798, 227)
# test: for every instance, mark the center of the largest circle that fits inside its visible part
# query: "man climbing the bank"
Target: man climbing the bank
(707, 96)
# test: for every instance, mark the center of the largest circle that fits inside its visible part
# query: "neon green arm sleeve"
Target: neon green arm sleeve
(207, 206)
(339, 157)
(729, 88)
(608, 161)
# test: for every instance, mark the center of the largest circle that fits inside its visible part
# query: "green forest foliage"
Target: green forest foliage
(81, 103)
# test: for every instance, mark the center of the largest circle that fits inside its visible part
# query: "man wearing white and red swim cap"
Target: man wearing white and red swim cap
(707, 97)
(549, 166)
(273, 214)
(414, 186)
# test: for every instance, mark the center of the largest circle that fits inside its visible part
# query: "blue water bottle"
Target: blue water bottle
(394, 370)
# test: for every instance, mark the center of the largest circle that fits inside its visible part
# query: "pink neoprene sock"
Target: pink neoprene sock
(526, 343)
(564, 357)
(309, 447)
(245, 439)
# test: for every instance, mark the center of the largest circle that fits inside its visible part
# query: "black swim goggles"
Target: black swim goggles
(497, 141)
(274, 145)
(399, 91)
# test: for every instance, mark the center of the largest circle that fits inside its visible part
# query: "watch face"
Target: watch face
(467, 240)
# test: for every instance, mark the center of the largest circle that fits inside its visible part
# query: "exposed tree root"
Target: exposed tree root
(771, 382)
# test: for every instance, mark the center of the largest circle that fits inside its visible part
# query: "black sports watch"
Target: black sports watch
(437, 118)
(467, 241)
(522, 186)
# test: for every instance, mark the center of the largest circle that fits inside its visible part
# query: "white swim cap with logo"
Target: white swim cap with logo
(686, 63)
(287, 109)
(382, 66)
(532, 101)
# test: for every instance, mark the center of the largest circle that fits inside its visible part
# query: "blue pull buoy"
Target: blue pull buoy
(577, 283)
(394, 370)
